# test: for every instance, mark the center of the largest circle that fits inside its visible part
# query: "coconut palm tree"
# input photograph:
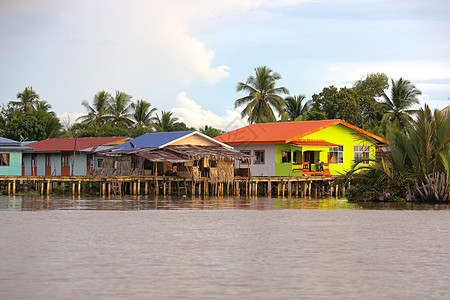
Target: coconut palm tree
(142, 113)
(118, 111)
(262, 96)
(97, 113)
(294, 107)
(27, 100)
(165, 122)
(403, 97)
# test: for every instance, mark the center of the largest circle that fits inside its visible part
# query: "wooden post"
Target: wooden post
(156, 187)
(42, 188)
(289, 189)
(309, 188)
(139, 187)
(146, 187)
(79, 188)
(14, 187)
(279, 189)
(9, 188)
(103, 189)
(255, 191)
(269, 188)
(336, 191)
(164, 187)
(296, 188)
(283, 186)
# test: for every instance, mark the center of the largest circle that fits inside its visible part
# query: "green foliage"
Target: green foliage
(336, 104)
(403, 170)
(165, 122)
(27, 127)
(118, 110)
(142, 114)
(97, 113)
(211, 131)
(294, 107)
(262, 96)
(398, 105)
(27, 100)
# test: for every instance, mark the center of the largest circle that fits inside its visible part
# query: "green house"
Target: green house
(11, 157)
(302, 148)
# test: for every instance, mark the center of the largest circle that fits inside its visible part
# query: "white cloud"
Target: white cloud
(189, 112)
(67, 118)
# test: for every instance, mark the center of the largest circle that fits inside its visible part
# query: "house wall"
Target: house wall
(266, 169)
(15, 164)
(80, 165)
(195, 140)
(342, 135)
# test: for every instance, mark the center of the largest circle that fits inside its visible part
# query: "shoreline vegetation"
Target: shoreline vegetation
(413, 167)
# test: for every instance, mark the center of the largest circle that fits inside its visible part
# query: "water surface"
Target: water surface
(221, 249)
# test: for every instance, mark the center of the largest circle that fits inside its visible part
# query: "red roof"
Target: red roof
(283, 132)
(68, 144)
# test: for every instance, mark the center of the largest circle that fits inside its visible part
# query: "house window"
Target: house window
(260, 157)
(362, 153)
(100, 163)
(297, 157)
(246, 161)
(4, 159)
(64, 160)
(337, 155)
(285, 156)
(48, 161)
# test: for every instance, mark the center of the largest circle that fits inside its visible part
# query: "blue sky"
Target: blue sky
(187, 56)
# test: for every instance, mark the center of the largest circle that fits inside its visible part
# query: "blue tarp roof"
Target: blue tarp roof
(5, 141)
(152, 140)
(8, 145)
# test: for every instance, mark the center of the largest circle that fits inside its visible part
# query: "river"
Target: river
(254, 248)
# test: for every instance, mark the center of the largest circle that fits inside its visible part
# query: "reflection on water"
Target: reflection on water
(35, 203)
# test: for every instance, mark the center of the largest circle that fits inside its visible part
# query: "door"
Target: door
(90, 164)
(33, 165)
(65, 165)
(48, 164)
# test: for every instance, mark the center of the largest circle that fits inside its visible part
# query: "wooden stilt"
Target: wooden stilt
(269, 188)
(14, 187)
(79, 188)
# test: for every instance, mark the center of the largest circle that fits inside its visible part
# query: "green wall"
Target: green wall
(15, 164)
(338, 134)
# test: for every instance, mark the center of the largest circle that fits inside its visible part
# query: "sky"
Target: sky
(188, 56)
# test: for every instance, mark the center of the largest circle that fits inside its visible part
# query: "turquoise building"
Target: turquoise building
(11, 157)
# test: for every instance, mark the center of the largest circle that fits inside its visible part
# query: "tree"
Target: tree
(165, 122)
(97, 113)
(27, 127)
(336, 104)
(118, 109)
(370, 89)
(211, 131)
(26, 101)
(142, 113)
(294, 107)
(263, 96)
(402, 97)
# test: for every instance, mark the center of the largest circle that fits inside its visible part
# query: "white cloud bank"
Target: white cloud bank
(189, 112)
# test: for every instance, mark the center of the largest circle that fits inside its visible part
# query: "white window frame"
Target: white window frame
(358, 152)
(340, 154)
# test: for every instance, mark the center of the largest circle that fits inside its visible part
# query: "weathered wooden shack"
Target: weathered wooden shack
(192, 162)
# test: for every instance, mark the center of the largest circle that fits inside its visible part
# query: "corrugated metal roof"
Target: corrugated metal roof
(8, 142)
(69, 144)
(283, 132)
(152, 140)
(215, 151)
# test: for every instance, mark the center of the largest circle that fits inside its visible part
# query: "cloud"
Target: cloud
(189, 112)
(68, 119)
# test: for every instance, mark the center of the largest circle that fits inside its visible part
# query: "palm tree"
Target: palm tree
(119, 108)
(97, 113)
(211, 131)
(165, 122)
(27, 100)
(294, 107)
(403, 97)
(142, 114)
(262, 96)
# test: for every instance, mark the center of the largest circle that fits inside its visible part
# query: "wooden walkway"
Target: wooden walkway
(317, 185)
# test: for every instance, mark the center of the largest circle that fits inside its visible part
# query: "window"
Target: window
(4, 159)
(65, 160)
(337, 155)
(259, 157)
(100, 163)
(297, 157)
(362, 153)
(285, 156)
(48, 161)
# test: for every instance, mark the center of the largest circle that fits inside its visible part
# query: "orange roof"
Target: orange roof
(308, 142)
(283, 132)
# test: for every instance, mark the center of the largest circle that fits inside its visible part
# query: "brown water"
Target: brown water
(196, 249)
